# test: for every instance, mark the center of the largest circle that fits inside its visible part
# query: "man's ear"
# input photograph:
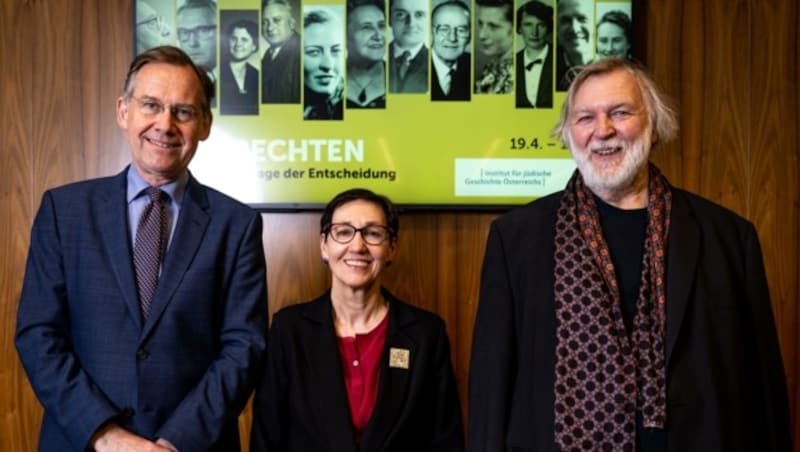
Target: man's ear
(122, 112)
(207, 126)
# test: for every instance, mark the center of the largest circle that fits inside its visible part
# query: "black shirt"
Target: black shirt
(625, 232)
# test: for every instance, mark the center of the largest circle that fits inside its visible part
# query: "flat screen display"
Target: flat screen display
(435, 103)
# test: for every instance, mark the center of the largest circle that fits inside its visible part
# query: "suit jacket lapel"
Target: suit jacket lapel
(326, 380)
(115, 235)
(189, 232)
(392, 389)
(683, 245)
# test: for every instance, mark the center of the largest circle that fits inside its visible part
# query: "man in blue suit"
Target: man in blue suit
(119, 364)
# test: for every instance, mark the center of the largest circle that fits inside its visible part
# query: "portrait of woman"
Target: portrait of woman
(366, 50)
(614, 35)
(239, 78)
(323, 52)
(357, 369)
(494, 69)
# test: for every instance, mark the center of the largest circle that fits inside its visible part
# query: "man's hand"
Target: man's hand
(113, 438)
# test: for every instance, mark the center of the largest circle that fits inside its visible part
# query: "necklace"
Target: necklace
(372, 76)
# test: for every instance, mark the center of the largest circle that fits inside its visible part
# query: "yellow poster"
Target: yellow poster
(432, 103)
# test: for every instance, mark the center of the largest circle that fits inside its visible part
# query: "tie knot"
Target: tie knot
(155, 194)
(404, 56)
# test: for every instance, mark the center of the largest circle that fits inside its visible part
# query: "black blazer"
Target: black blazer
(416, 80)
(544, 95)
(460, 84)
(233, 102)
(280, 78)
(726, 389)
(301, 402)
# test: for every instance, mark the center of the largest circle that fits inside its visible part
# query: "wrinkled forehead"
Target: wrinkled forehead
(276, 10)
(451, 14)
(609, 89)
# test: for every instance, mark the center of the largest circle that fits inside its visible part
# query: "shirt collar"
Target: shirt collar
(539, 56)
(413, 51)
(175, 189)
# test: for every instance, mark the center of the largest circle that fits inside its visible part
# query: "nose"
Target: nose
(482, 33)
(358, 243)
(194, 40)
(605, 127)
(164, 121)
(326, 61)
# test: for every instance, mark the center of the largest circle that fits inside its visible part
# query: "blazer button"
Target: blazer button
(128, 412)
(142, 354)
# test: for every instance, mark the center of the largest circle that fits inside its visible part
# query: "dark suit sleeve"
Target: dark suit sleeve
(774, 428)
(222, 392)
(493, 365)
(66, 391)
(270, 407)
(448, 429)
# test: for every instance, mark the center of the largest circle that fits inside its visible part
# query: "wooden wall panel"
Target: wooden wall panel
(731, 67)
(19, 412)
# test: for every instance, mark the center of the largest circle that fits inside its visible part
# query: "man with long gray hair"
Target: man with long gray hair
(624, 313)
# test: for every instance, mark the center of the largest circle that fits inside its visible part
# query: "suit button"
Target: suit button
(128, 412)
(142, 354)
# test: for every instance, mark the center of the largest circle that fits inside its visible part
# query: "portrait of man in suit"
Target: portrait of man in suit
(534, 63)
(408, 62)
(450, 60)
(197, 33)
(142, 318)
(280, 65)
(574, 39)
(624, 313)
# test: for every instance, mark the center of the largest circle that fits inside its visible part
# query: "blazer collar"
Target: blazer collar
(114, 234)
(683, 244)
(333, 410)
(394, 377)
(325, 377)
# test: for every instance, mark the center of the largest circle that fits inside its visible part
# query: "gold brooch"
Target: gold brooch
(399, 357)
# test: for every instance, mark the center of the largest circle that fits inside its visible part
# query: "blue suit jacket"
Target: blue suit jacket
(186, 372)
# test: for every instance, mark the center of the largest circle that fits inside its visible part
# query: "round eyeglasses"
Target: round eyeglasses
(344, 233)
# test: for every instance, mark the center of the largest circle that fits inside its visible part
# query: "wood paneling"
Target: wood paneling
(730, 66)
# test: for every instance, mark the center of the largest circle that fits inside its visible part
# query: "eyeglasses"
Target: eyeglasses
(201, 32)
(443, 31)
(344, 233)
(151, 107)
(152, 24)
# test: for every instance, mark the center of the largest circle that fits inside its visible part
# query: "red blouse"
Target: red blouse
(361, 357)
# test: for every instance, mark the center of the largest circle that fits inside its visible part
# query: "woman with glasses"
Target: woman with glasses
(357, 369)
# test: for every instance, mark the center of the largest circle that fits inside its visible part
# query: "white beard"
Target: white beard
(617, 177)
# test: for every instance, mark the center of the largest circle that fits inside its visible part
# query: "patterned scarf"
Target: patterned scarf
(603, 377)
